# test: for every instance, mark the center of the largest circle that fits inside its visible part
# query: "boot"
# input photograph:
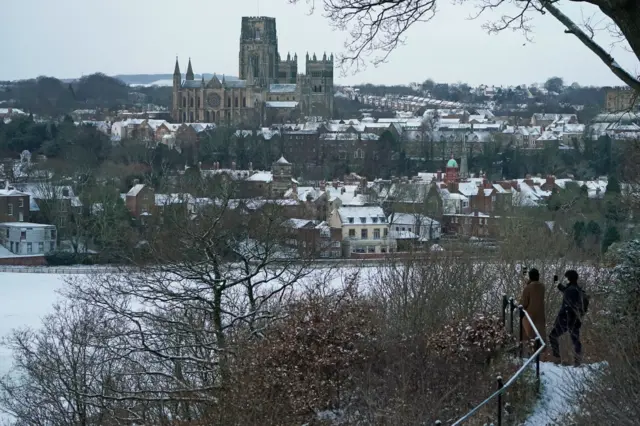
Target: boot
(577, 361)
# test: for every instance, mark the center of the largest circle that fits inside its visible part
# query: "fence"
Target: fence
(57, 269)
(501, 385)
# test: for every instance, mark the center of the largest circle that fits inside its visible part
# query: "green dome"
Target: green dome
(452, 163)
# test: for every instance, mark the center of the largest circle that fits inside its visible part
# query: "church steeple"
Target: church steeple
(190, 75)
(177, 77)
(176, 70)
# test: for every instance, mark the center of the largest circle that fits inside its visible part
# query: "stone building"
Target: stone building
(268, 87)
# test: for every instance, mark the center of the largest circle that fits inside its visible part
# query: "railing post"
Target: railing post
(521, 310)
(512, 306)
(538, 346)
(500, 384)
(505, 303)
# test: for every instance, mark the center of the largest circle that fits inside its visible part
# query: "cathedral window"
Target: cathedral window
(198, 101)
(191, 102)
(320, 89)
(184, 101)
(235, 102)
(184, 117)
(229, 102)
(191, 117)
(244, 102)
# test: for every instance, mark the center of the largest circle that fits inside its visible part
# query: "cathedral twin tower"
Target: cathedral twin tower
(269, 89)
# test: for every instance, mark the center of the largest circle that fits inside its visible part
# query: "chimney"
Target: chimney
(439, 175)
(233, 165)
(250, 166)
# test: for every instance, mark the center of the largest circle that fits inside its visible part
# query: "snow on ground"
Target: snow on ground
(560, 388)
(24, 300)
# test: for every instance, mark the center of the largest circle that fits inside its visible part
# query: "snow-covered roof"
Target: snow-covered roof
(135, 190)
(362, 215)
(282, 88)
(281, 104)
(261, 177)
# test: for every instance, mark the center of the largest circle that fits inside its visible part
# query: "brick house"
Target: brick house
(313, 238)
(472, 225)
(140, 200)
(14, 205)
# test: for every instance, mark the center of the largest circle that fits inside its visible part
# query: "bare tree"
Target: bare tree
(381, 25)
(57, 366)
(199, 281)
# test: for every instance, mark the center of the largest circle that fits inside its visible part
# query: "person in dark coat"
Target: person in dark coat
(569, 318)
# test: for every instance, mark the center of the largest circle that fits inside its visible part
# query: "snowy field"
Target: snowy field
(24, 300)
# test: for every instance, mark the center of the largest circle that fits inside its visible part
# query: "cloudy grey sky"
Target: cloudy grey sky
(69, 38)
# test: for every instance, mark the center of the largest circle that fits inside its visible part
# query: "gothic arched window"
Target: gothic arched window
(244, 102)
(184, 101)
(191, 102)
(320, 89)
(229, 102)
(198, 102)
(184, 117)
(235, 102)
(191, 117)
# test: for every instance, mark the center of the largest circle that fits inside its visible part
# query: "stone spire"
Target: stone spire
(190, 75)
(176, 70)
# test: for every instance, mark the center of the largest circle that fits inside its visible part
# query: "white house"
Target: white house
(365, 229)
(25, 238)
(424, 227)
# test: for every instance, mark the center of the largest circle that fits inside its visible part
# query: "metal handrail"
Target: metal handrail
(503, 387)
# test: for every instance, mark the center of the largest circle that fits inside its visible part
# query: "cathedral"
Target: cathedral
(269, 89)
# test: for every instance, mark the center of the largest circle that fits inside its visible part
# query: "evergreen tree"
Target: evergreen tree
(611, 236)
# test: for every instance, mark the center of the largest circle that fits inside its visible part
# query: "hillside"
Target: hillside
(159, 79)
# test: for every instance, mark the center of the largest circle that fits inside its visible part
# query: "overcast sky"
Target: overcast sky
(69, 38)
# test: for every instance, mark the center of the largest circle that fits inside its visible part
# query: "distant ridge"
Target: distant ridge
(160, 79)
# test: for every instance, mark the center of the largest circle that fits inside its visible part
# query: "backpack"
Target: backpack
(582, 310)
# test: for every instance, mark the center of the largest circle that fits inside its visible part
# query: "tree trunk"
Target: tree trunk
(626, 14)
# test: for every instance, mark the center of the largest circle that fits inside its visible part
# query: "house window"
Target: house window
(40, 247)
(374, 219)
(376, 234)
(29, 248)
(20, 202)
(52, 245)
(371, 249)
(352, 233)
(350, 219)
(53, 234)
(363, 220)
(10, 211)
(23, 235)
(364, 234)
(386, 232)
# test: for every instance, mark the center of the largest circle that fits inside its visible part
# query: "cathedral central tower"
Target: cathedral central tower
(259, 51)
